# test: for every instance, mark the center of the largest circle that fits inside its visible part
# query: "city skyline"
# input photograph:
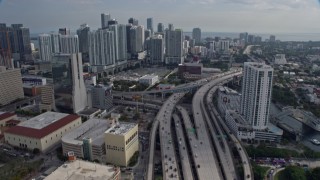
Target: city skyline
(237, 15)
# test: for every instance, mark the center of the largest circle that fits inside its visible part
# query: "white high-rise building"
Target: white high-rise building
(114, 29)
(256, 94)
(156, 49)
(101, 47)
(105, 18)
(69, 44)
(174, 46)
(55, 40)
(137, 39)
(45, 47)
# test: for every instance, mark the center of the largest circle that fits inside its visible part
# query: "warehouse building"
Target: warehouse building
(42, 132)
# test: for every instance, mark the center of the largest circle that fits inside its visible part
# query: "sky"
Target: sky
(256, 16)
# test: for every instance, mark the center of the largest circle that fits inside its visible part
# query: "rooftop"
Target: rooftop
(43, 120)
(258, 65)
(121, 128)
(148, 76)
(42, 125)
(5, 115)
(83, 170)
(92, 128)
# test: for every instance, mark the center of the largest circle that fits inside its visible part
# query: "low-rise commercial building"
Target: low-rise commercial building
(87, 141)
(76, 170)
(121, 143)
(42, 132)
(5, 117)
(149, 79)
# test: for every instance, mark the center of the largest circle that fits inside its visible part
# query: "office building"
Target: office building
(83, 35)
(101, 97)
(5, 117)
(147, 34)
(64, 31)
(150, 24)
(42, 132)
(149, 79)
(244, 37)
(20, 42)
(55, 40)
(160, 27)
(78, 169)
(101, 48)
(171, 27)
(121, 143)
(280, 59)
(223, 45)
(133, 21)
(137, 39)
(69, 88)
(105, 18)
(196, 35)
(45, 47)
(47, 98)
(87, 141)
(156, 49)
(10, 85)
(256, 93)
(5, 47)
(69, 44)
(174, 46)
(128, 27)
(272, 38)
(112, 22)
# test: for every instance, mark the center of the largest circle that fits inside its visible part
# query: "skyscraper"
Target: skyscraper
(171, 27)
(114, 29)
(256, 94)
(69, 88)
(160, 27)
(272, 38)
(137, 39)
(55, 40)
(5, 47)
(69, 44)
(174, 46)
(20, 42)
(45, 47)
(105, 18)
(196, 35)
(147, 33)
(10, 85)
(128, 27)
(83, 34)
(122, 43)
(156, 49)
(112, 22)
(244, 37)
(133, 21)
(101, 47)
(64, 31)
(150, 24)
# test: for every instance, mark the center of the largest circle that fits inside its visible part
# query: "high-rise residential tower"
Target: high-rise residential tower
(10, 85)
(196, 35)
(101, 47)
(55, 40)
(150, 24)
(137, 39)
(174, 46)
(69, 88)
(69, 44)
(83, 35)
(156, 49)
(160, 27)
(105, 18)
(256, 94)
(133, 21)
(45, 47)
(64, 31)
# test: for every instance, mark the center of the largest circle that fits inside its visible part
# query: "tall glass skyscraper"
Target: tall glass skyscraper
(69, 88)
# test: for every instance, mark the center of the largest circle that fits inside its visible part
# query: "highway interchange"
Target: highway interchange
(194, 143)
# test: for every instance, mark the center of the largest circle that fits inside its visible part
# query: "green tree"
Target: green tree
(314, 174)
(294, 173)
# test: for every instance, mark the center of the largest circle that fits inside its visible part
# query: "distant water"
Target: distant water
(279, 36)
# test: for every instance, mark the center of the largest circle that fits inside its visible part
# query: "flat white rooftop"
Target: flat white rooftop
(43, 120)
(121, 129)
(92, 128)
(83, 170)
